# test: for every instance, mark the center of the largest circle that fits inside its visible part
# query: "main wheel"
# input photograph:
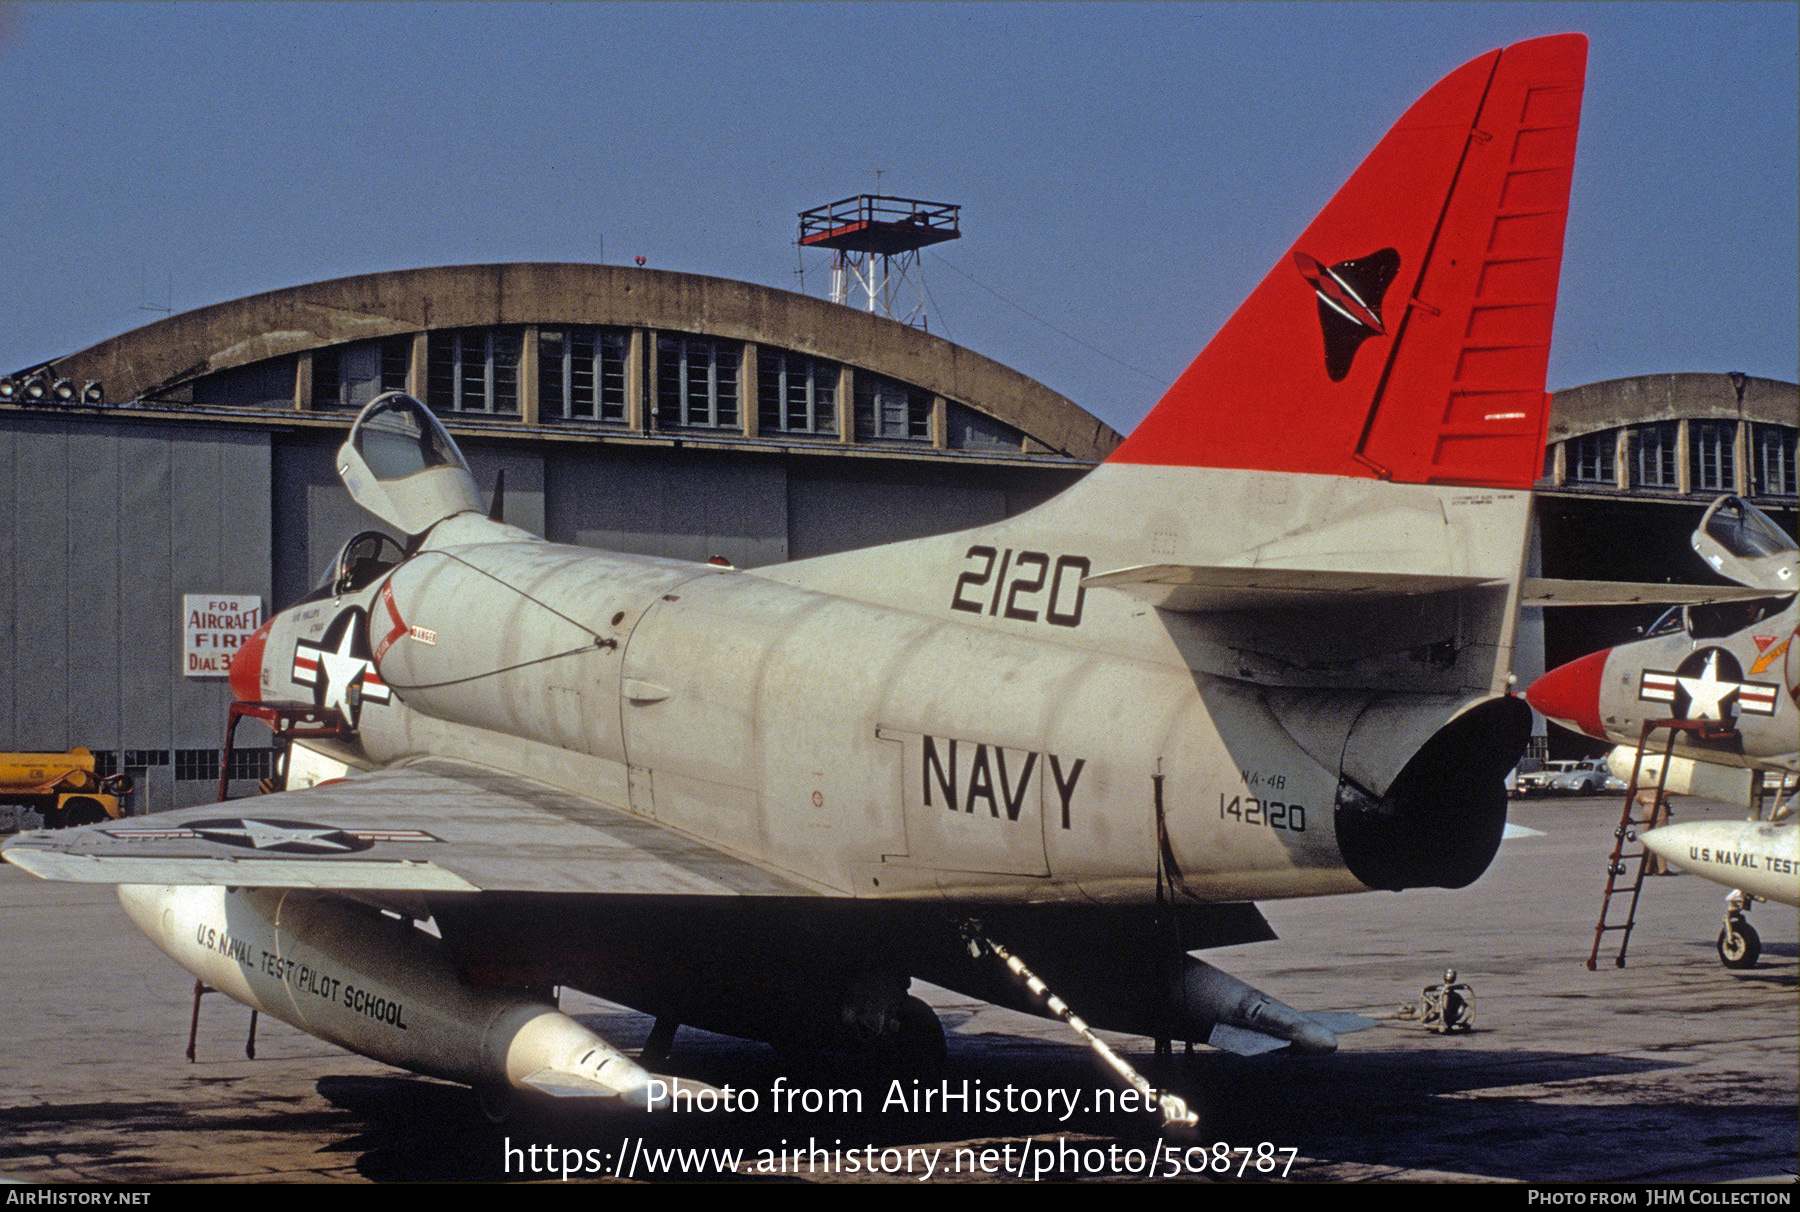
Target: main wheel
(920, 1045)
(1739, 945)
(497, 1103)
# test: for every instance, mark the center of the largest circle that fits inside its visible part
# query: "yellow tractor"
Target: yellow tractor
(63, 788)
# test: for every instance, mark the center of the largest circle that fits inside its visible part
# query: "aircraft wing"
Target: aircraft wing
(434, 826)
(1549, 591)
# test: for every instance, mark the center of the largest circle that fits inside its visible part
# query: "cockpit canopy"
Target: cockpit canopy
(1742, 542)
(401, 465)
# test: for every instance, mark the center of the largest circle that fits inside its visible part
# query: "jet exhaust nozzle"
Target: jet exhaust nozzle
(1439, 822)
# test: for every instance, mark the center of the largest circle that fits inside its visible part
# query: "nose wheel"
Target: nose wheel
(1739, 945)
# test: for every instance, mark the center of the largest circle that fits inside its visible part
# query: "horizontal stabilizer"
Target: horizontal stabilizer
(1196, 588)
(1548, 591)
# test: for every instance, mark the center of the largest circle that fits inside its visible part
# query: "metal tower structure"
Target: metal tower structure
(875, 241)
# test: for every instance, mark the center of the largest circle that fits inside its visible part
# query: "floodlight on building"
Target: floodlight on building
(93, 393)
(37, 387)
(64, 391)
(875, 241)
(9, 389)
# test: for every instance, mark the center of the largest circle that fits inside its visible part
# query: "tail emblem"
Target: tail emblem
(1350, 295)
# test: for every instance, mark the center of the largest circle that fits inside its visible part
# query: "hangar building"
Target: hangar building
(632, 409)
(637, 410)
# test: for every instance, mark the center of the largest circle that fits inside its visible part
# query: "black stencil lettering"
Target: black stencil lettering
(981, 783)
(972, 579)
(932, 766)
(1015, 798)
(1000, 581)
(1079, 565)
(1021, 585)
(1065, 788)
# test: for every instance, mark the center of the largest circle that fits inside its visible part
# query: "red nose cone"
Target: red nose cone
(246, 666)
(1570, 694)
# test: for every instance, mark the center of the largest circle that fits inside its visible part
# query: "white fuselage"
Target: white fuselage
(953, 716)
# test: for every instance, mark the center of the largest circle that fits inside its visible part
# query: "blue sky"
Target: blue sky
(1127, 172)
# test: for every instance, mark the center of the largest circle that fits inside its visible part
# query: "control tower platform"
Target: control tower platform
(874, 223)
(875, 241)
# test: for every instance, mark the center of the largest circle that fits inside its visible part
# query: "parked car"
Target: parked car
(1537, 782)
(1589, 776)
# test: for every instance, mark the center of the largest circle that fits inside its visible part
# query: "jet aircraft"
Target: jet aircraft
(1758, 860)
(1734, 662)
(1260, 652)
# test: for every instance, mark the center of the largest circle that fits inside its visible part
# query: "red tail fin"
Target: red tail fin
(1405, 335)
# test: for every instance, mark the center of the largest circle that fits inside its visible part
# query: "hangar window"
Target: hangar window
(349, 376)
(202, 765)
(396, 362)
(1712, 457)
(971, 430)
(1774, 460)
(1653, 455)
(696, 382)
(581, 373)
(795, 393)
(474, 370)
(887, 411)
(265, 384)
(1591, 458)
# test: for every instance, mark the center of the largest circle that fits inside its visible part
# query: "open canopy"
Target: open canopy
(402, 465)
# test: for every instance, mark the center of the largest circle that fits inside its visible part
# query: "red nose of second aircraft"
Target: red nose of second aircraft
(1570, 694)
(246, 666)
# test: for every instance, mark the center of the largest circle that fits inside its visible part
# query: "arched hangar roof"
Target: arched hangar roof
(1642, 399)
(162, 356)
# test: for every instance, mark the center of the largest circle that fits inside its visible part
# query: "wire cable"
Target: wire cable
(601, 643)
(1047, 324)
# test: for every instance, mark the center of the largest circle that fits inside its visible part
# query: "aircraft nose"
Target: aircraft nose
(1570, 694)
(1670, 842)
(246, 666)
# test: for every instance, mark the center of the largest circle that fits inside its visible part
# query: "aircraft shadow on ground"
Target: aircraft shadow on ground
(124, 1141)
(1418, 1110)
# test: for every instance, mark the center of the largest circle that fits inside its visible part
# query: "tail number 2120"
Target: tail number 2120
(1025, 581)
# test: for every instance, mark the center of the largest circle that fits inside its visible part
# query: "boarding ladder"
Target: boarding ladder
(1629, 858)
(288, 721)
